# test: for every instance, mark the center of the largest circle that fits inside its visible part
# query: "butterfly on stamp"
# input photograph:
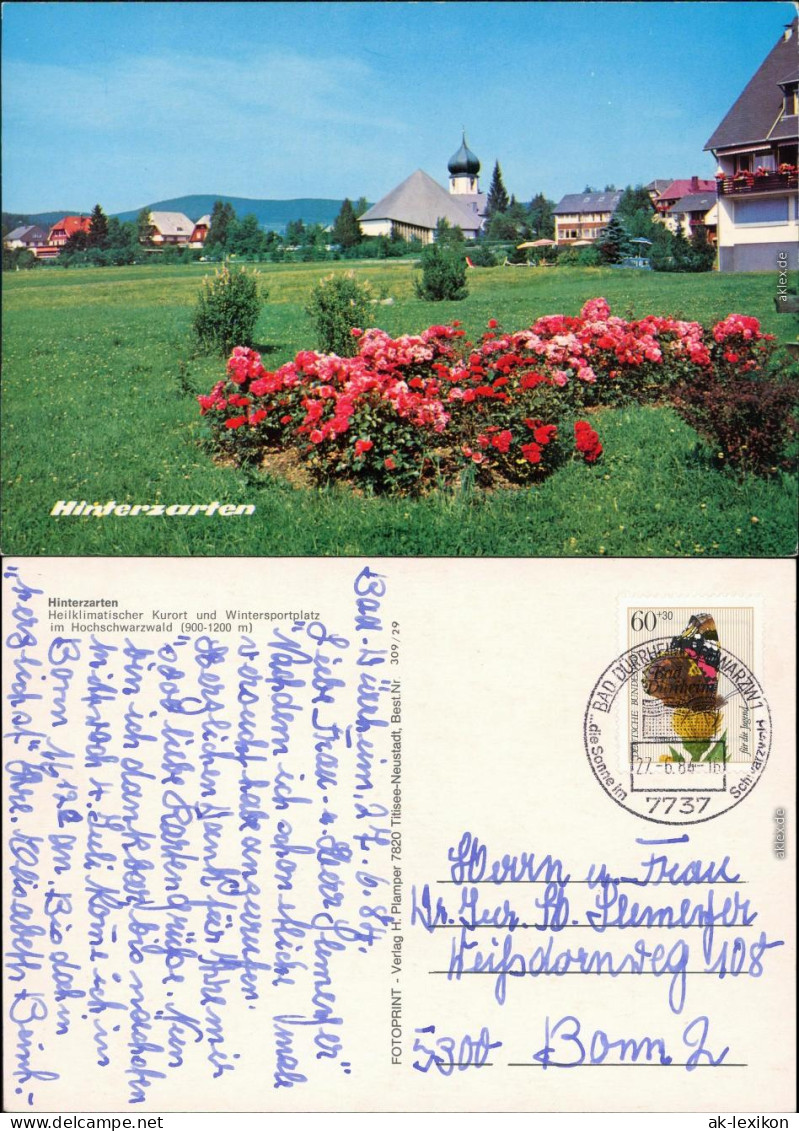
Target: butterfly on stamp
(685, 678)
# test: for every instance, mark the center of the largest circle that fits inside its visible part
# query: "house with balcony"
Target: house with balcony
(27, 236)
(677, 190)
(58, 235)
(697, 209)
(66, 227)
(580, 217)
(200, 231)
(756, 146)
(170, 228)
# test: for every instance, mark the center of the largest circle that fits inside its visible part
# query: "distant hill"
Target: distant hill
(273, 215)
(45, 220)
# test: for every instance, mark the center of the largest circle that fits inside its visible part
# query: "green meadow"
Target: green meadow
(99, 377)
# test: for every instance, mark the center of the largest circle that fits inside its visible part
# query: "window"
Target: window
(791, 99)
(772, 211)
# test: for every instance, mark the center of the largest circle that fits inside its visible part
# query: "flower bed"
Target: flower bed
(409, 412)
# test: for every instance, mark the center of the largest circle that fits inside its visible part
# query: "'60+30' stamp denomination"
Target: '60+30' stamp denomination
(678, 728)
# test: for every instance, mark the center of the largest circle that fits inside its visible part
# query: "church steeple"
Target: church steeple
(463, 168)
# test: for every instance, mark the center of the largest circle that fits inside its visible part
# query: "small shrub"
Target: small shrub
(443, 274)
(747, 418)
(227, 309)
(568, 256)
(589, 257)
(338, 305)
(482, 256)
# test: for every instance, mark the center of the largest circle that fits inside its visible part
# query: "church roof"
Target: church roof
(421, 201)
(464, 161)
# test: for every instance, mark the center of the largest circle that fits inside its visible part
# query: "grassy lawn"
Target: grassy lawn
(98, 372)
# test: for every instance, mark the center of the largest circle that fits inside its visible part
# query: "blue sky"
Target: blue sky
(128, 103)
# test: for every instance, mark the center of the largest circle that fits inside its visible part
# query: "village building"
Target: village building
(676, 190)
(413, 209)
(59, 234)
(27, 236)
(656, 187)
(66, 227)
(171, 228)
(200, 231)
(581, 217)
(698, 209)
(756, 146)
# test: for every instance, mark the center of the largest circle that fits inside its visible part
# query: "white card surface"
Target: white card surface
(397, 835)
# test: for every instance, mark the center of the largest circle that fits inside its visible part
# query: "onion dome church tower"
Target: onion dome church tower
(464, 169)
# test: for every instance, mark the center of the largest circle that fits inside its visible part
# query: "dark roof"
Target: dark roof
(464, 161)
(659, 185)
(695, 202)
(753, 115)
(578, 202)
(27, 233)
(786, 129)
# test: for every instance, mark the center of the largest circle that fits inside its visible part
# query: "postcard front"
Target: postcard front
(396, 835)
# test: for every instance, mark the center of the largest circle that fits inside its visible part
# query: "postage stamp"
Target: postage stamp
(678, 727)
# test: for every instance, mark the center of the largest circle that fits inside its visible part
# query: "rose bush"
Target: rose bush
(404, 413)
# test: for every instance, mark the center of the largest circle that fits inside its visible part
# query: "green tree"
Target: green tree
(503, 227)
(448, 234)
(78, 241)
(346, 230)
(443, 274)
(337, 305)
(144, 226)
(227, 309)
(703, 251)
(613, 243)
(245, 236)
(498, 199)
(98, 228)
(541, 218)
(223, 218)
(295, 232)
(361, 205)
(123, 242)
(634, 200)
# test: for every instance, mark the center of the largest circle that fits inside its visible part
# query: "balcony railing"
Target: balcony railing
(744, 184)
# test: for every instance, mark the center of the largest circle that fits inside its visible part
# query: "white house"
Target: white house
(756, 149)
(581, 217)
(171, 228)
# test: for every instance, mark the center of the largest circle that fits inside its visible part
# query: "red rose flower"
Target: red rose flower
(545, 433)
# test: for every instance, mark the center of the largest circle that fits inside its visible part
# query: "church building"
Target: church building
(412, 210)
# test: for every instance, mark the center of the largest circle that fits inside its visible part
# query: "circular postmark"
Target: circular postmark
(674, 764)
